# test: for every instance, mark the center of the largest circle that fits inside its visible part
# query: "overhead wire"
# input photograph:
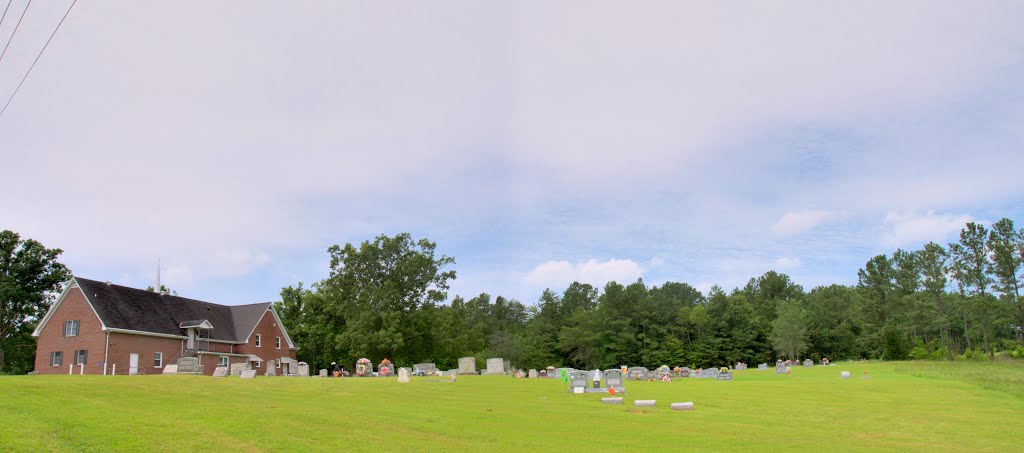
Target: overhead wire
(15, 30)
(37, 56)
(5, 12)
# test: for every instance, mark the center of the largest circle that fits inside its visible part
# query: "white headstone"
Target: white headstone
(682, 406)
(844, 375)
(532, 374)
(467, 365)
(220, 371)
(645, 403)
(302, 369)
(496, 366)
(238, 368)
(616, 400)
(403, 375)
(188, 365)
(248, 374)
(323, 373)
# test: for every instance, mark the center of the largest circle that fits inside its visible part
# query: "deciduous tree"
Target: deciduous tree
(30, 278)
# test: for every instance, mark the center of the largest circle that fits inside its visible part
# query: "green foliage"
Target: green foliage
(384, 299)
(894, 346)
(1017, 353)
(789, 330)
(30, 279)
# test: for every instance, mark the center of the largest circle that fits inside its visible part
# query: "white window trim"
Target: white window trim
(53, 355)
(222, 361)
(258, 364)
(158, 356)
(277, 342)
(77, 354)
(278, 364)
(257, 340)
(68, 324)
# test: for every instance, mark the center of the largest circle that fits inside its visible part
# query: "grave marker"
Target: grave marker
(532, 374)
(762, 367)
(808, 363)
(578, 381)
(248, 374)
(467, 365)
(613, 379)
(188, 365)
(425, 369)
(220, 371)
(403, 375)
(682, 406)
(495, 366)
(238, 368)
(637, 372)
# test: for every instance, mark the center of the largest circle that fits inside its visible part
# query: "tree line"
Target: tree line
(384, 299)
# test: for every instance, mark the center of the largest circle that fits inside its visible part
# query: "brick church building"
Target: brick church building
(101, 328)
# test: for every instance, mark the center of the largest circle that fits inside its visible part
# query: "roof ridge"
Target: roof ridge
(101, 282)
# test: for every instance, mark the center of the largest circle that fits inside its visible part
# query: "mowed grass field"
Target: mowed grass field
(904, 406)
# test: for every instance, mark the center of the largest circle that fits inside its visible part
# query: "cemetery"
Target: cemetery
(498, 411)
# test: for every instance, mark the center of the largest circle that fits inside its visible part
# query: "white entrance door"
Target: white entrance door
(133, 363)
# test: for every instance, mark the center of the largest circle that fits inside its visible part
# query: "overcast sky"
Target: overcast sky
(536, 142)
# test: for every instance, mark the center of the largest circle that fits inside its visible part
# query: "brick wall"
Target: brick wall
(122, 345)
(268, 330)
(93, 339)
(91, 336)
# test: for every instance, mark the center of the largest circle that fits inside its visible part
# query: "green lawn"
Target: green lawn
(904, 406)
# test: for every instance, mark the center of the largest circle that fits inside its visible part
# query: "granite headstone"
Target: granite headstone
(467, 365)
(495, 366)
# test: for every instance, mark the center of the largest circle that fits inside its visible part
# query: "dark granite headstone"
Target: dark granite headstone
(637, 372)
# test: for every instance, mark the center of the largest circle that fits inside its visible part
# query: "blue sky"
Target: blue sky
(536, 142)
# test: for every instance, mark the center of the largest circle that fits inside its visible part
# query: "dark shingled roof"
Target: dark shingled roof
(121, 307)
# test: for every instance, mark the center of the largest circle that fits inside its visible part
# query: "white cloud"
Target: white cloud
(705, 287)
(909, 228)
(801, 221)
(175, 276)
(558, 274)
(786, 263)
(571, 123)
(656, 262)
(237, 262)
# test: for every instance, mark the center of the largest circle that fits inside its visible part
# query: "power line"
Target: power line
(15, 30)
(5, 12)
(37, 56)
